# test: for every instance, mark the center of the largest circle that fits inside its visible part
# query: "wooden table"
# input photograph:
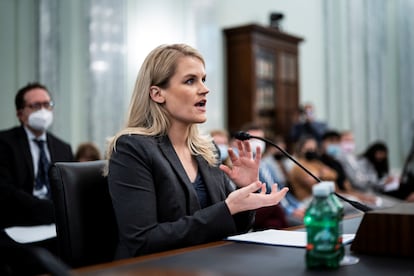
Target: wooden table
(233, 258)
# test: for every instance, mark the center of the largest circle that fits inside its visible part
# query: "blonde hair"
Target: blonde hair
(145, 116)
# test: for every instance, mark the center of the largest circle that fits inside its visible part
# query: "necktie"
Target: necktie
(41, 188)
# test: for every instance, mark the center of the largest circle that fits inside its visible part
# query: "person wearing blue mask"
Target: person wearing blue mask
(331, 151)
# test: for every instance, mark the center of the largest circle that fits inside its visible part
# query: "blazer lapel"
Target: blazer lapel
(25, 149)
(51, 148)
(168, 150)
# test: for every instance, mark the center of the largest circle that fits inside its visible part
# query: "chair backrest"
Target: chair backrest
(85, 221)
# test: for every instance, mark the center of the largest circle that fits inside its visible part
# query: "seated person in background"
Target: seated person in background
(166, 189)
(274, 169)
(308, 125)
(221, 139)
(272, 217)
(349, 161)
(331, 150)
(87, 152)
(406, 189)
(26, 152)
(300, 181)
(374, 164)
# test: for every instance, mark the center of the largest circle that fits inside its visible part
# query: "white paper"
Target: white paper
(27, 234)
(280, 237)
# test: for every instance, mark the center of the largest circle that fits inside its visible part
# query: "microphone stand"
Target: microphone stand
(246, 136)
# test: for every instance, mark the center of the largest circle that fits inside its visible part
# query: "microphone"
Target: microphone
(241, 135)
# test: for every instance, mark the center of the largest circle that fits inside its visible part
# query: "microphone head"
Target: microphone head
(241, 135)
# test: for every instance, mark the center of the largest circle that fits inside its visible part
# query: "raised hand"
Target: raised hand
(245, 169)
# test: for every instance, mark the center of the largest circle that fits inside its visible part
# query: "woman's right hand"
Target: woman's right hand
(247, 198)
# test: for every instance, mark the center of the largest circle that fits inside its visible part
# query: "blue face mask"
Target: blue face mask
(333, 150)
(223, 152)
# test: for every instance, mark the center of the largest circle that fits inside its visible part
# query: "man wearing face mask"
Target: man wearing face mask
(26, 152)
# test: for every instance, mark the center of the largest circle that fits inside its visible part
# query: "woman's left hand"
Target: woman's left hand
(245, 165)
(247, 198)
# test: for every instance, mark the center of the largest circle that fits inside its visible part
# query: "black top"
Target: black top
(201, 190)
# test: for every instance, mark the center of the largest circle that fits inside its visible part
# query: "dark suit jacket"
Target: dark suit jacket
(155, 204)
(17, 204)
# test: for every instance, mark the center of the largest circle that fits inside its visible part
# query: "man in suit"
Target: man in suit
(24, 162)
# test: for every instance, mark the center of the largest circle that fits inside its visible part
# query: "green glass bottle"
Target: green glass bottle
(322, 228)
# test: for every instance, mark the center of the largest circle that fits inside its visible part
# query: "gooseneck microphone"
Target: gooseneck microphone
(246, 136)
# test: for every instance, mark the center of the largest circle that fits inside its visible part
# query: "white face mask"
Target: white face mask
(348, 147)
(254, 143)
(40, 120)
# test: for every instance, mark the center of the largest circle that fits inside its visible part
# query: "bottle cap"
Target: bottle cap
(329, 184)
(320, 190)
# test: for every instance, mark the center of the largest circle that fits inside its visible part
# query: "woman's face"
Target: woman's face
(185, 97)
(309, 145)
(380, 156)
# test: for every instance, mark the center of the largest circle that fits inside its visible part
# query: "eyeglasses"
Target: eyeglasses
(40, 105)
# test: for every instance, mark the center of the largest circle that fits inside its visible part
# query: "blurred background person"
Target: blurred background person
(300, 181)
(272, 217)
(26, 153)
(350, 162)
(406, 189)
(375, 165)
(275, 169)
(331, 151)
(221, 139)
(308, 125)
(87, 151)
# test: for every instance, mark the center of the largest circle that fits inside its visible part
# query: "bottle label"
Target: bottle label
(325, 240)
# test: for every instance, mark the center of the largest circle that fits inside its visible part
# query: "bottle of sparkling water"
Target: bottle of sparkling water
(322, 227)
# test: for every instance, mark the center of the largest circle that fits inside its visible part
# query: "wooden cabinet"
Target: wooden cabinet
(262, 78)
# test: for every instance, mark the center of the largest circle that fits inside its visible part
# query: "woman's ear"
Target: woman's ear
(156, 94)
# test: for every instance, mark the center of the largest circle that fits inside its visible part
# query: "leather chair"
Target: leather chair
(85, 221)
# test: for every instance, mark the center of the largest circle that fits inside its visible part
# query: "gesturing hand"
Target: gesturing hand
(245, 169)
(246, 198)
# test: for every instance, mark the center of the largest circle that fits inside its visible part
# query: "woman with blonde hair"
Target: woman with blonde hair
(166, 190)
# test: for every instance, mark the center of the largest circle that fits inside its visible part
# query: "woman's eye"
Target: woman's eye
(189, 81)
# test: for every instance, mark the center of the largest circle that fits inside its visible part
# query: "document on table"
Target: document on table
(280, 237)
(27, 234)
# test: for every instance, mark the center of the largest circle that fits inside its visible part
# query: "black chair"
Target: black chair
(85, 221)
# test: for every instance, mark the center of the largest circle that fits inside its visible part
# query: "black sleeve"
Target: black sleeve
(18, 208)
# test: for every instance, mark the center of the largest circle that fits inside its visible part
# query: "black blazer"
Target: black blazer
(155, 204)
(17, 204)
